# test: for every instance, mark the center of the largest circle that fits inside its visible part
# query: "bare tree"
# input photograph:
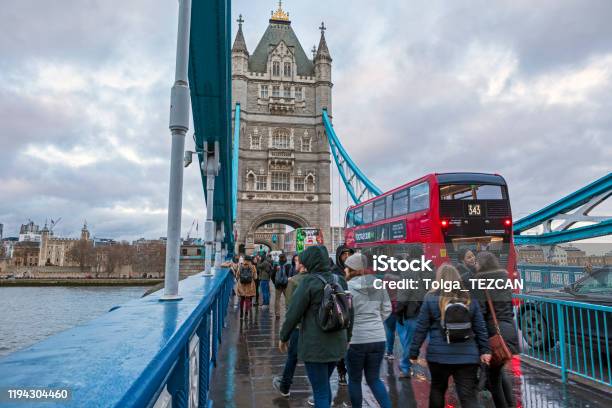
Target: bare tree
(82, 253)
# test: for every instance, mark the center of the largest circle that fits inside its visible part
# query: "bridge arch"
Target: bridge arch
(278, 217)
(250, 236)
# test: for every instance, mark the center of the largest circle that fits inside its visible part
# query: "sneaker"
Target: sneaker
(342, 379)
(276, 384)
(390, 356)
(310, 402)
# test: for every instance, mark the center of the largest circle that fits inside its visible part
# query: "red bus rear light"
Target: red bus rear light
(508, 223)
(444, 223)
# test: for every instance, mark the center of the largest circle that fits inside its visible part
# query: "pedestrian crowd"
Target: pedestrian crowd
(335, 319)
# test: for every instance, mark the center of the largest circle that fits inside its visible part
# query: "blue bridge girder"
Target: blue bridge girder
(357, 184)
(210, 85)
(581, 202)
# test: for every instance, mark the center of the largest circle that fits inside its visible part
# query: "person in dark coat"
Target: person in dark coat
(466, 265)
(318, 350)
(460, 360)
(487, 267)
(342, 253)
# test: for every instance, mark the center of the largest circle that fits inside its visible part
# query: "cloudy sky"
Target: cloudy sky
(419, 86)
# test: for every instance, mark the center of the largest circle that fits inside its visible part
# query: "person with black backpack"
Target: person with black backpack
(280, 279)
(323, 309)
(458, 339)
(245, 285)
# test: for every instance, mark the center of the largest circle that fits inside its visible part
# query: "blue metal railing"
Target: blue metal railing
(141, 354)
(572, 336)
(549, 276)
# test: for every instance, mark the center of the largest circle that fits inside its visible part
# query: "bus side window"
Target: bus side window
(367, 213)
(358, 217)
(379, 210)
(400, 203)
(419, 197)
(389, 205)
(350, 219)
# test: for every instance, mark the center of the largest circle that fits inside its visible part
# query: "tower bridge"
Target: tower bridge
(265, 145)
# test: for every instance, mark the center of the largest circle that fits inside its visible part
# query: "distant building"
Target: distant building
(1, 231)
(575, 256)
(9, 244)
(531, 254)
(26, 253)
(558, 256)
(54, 251)
(333, 239)
(29, 232)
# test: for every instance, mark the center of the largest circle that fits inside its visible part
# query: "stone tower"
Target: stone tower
(284, 165)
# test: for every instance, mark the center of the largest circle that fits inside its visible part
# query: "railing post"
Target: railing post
(203, 332)
(215, 330)
(561, 320)
(178, 384)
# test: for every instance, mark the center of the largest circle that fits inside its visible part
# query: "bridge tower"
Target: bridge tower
(284, 158)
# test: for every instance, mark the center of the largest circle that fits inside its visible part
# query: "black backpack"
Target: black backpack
(457, 323)
(336, 306)
(282, 277)
(246, 274)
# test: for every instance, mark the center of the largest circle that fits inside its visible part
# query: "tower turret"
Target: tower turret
(240, 66)
(322, 64)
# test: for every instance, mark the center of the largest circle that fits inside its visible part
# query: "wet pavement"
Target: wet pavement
(249, 358)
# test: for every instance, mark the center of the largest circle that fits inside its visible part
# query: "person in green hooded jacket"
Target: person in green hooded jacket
(318, 350)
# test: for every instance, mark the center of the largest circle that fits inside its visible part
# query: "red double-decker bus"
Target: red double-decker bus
(442, 213)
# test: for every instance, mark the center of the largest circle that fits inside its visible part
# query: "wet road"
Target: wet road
(249, 358)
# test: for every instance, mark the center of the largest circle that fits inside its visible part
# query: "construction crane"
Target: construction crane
(196, 224)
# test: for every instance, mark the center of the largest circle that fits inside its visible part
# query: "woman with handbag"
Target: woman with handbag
(496, 307)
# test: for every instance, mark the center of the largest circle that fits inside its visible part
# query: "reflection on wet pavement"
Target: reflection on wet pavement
(249, 358)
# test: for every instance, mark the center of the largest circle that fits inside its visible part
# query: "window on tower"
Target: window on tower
(286, 92)
(264, 91)
(276, 91)
(298, 93)
(280, 181)
(276, 68)
(280, 140)
(287, 69)
(262, 183)
(298, 183)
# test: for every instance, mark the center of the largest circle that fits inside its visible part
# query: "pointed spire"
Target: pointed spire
(239, 42)
(314, 51)
(323, 51)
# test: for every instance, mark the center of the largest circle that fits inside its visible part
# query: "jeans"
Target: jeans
(264, 288)
(291, 362)
(318, 375)
(390, 327)
(366, 359)
(405, 331)
(465, 377)
(277, 299)
(501, 387)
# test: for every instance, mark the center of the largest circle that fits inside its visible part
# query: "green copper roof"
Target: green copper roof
(275, 33)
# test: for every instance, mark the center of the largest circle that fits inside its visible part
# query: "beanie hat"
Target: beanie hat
(356, 262)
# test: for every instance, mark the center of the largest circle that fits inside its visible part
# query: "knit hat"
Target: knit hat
(356, 262)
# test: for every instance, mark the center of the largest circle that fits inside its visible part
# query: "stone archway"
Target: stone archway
(275, 217)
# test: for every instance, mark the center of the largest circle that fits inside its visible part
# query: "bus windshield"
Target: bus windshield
(471, 192)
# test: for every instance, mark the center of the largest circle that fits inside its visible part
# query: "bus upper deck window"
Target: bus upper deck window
(350, 218)
(379, 210)
(400, 203)
(367, 213)
(419, 197)
(358, 217)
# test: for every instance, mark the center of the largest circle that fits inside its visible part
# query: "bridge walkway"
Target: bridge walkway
(249, 358)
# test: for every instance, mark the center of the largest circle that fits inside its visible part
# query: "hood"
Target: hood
(363, 284)
(315, 259)
(339, 251)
